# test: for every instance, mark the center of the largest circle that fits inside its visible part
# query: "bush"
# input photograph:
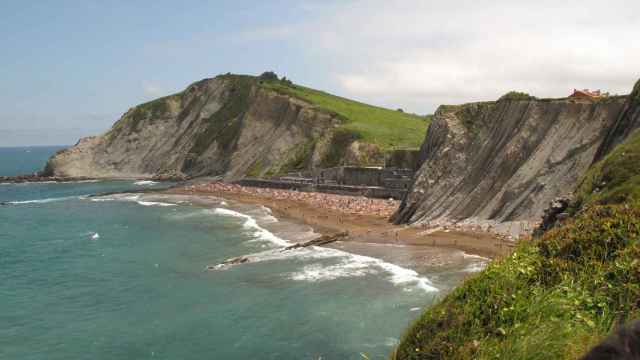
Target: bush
(268, 76)
(552, 299)
(516, 95)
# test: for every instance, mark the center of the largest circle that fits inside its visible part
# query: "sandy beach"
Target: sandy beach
(365, 219)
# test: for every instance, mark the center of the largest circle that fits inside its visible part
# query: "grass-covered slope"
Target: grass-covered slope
(555, 296)
(616, 179)
(383, 127)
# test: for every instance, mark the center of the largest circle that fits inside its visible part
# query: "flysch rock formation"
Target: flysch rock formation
(225, 126)
(501, 163)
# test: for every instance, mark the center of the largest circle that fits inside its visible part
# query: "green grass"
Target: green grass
(384, 127)
(557, 295)
(299, 158)
(224, 125)
(516, 95)
(615, 179)
(552, 299)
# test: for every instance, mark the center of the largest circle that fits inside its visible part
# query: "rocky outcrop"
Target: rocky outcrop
(39, 178)
(554, 213)
(628, 120)
(228, 125)
(506, 160)
(319, 241)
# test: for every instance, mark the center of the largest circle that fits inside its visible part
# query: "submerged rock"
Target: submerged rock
(321, 240)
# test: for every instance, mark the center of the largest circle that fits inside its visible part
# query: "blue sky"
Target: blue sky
(71, 68)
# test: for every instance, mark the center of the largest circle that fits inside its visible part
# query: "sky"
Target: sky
(71, 68)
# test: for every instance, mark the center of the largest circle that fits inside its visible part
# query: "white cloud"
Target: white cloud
(153, 91)
(417, 54)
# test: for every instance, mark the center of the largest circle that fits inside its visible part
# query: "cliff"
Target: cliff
(230, 126)
(558, 294)
(506, 160)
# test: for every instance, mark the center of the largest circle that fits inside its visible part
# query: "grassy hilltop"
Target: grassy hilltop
(383, 127)
(555, 296)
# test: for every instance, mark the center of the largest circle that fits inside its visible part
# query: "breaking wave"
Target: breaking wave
(43, 201)
(154, 203)
(145, 182)
(251, 224)
(352, 265)
(348, 265)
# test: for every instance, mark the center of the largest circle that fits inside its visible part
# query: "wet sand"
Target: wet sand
(365, 219)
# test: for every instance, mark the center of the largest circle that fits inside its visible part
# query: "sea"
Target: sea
(89, 270)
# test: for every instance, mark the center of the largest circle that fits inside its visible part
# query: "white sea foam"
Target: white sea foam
(475, 267)
(349, 265)
(473, 256)
(116, 197)
(43, 201)
(135, 198)
(352, 265)
(154, 203)
(145, 182)
(100, 199)
(258, 232)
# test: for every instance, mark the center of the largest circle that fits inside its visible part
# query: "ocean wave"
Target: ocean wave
(349, 265)
(258, 232)
(352, 265)
(145, 182)
(44, 201)
(154, 203)
(102, 199)
(475, 267)
(473, 256)
(116, 197)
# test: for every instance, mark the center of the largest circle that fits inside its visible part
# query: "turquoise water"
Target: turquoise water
(24, 160)
(123, 277)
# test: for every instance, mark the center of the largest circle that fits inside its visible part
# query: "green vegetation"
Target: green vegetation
(150, 110)
(299, 157)
(384, 127)
(256, 169)
(224, 125)
(516, 95)
(615, 179)
(342, 138)
(557, 295)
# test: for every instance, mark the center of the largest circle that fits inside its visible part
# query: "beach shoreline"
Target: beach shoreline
(366, 220)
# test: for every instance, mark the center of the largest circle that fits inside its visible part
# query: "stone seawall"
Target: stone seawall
(368, 191)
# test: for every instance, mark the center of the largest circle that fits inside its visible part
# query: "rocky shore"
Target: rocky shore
(366, 220)
(355, 205)
(40, 178)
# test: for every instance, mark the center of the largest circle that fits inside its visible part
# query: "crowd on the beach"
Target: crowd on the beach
(358, 205)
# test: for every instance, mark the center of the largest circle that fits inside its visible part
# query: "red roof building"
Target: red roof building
(586, 93)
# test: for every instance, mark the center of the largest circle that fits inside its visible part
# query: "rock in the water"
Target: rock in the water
(322, 240)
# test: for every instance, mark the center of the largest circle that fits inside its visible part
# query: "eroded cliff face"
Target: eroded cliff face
(506, 160)
(227, 126)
